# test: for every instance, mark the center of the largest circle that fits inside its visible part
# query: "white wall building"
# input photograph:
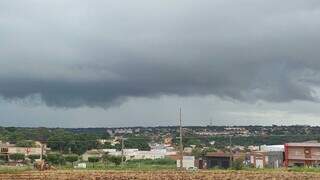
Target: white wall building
(271, 148)
(134, 154)
(187, 162)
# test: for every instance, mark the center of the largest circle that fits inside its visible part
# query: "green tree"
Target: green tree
(237, 164)
(17, 156)
(115, 159)
(140, 143)
(79, 143)
(15, 136)
(4, 157)
(25, 143)
(33, 157)
(93, 160)
(105, 158)
(55, 158)
(71, 158)
(198, 152)
(192, 141)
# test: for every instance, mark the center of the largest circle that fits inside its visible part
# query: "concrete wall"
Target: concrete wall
(25, 151)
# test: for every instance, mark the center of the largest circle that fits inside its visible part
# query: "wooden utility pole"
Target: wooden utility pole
(181, 143)
(122, 151)
(231, 154)
(41, 155)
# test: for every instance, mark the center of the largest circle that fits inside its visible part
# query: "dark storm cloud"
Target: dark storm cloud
(75, 53)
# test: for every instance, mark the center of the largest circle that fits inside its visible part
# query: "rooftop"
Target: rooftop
(217, 154)
(303, 144)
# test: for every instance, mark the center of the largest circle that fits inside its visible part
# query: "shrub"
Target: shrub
(3, 157)
(26, 143)
(71, 158)
(17, 156)
(165, 161)
(55, 158)
(93, 160)
(116, 160)
(237, 164)
(33, 157)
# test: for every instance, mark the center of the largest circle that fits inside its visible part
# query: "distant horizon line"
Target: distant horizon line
(169, 126)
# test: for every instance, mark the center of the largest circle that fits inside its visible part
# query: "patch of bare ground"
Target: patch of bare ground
(157, 175)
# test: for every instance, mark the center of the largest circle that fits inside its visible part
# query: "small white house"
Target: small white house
(187, 162)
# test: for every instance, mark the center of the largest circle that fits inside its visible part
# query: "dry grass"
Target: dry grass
(158, 175)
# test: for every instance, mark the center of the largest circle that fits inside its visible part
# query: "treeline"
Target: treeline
(65, 140)
(223, 141)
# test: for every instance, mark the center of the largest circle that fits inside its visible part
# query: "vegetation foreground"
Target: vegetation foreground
(161, 174)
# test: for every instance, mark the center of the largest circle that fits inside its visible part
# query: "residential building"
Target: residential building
(92, 153)
(269, 148)
(266, 159)
(187, 162)
(6, 148)
(302, 154)
(132, 154)
(217, 159)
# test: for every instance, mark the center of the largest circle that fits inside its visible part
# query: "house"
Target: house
(217, 159)
(187, 162)
(266, 159)
(6, 148)
(302, 154)
(272, 148)
(134, 154)
(270, 156)
(168, 141)
(187, 150)
(92, 153)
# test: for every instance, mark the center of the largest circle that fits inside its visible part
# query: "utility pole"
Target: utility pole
(231, 154)
(122, 151)
(41, 155)
(181, 144)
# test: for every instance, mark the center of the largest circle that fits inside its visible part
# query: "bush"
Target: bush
(237, 164)
(93, 160)
(33, 157)
(17, 156)
(116, 160)
(71, 158)
(3, 157)
(26, 143)
(55, 158)
(165, 161)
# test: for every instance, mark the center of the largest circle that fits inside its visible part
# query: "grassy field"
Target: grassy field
(13, 169)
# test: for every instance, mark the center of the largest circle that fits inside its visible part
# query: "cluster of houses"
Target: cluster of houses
(238, 131)
(266, 156)
(132, 154)
(272, 156)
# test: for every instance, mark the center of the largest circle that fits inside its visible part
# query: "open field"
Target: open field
(161, 175)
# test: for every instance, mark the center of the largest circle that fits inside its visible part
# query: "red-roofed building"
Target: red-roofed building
(302, 154)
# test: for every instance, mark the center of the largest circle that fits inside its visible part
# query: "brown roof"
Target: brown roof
(303, 144)
(217, 154)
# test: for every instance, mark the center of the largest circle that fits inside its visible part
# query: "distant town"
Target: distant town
(203, 147)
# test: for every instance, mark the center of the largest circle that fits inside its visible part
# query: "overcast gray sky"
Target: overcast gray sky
(81, 63)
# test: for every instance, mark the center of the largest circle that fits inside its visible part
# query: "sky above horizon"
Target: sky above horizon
(80, 63)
